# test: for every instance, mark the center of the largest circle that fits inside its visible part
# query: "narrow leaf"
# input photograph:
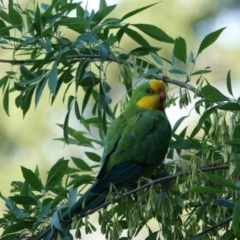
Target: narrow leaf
(6, 100)
(229, 83)
(205, 115)
(230, 106)
(52, 78)
(219, 180)
(136, 37)
(65, 128)
(209, 39)
(236, 217)
(81, 164)
(154, 32)
(234, 142)
(136, 11)
(56, 173)
(32, 179)
(24, 200)
(212, 94)
(93, 156)
(177, 124)
(180, 49)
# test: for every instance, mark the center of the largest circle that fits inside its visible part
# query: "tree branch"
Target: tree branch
(110, 58)
(213, 228)
(160, 180)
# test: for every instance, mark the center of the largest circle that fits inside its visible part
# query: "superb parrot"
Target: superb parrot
(136, 144)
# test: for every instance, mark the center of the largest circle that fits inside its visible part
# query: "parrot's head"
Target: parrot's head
(150, 95)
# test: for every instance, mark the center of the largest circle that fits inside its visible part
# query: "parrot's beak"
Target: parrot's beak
(162, 95)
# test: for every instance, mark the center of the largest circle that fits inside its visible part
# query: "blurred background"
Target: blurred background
(29, 142)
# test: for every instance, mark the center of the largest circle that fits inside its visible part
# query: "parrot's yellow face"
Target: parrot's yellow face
(154, 96)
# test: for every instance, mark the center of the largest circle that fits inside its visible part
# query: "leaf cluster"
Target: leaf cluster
(76, 70)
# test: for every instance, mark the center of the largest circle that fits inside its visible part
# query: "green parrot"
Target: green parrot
(136, 144)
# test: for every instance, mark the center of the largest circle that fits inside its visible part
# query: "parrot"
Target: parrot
(135, 145)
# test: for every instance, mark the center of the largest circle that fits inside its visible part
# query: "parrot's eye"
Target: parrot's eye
(148, 91)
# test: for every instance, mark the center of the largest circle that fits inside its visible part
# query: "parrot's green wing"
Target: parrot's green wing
(136, 143)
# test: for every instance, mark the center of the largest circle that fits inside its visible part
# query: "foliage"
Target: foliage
(205, 193)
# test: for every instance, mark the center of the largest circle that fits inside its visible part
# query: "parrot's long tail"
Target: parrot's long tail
(92, 198)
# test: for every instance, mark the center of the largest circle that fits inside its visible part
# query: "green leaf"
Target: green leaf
(77, 111)
(183, 144)
(212, 94)
(93, 156)
(150, 72)
(56, 173)
(177, 124)
(103, 51)
(180, 49)
(210, 190)
(154, 32)
(229, 83)
(120, 32)
(24, 200)
(89, 80)
(65, 128)
(81, 164)
(82, 180)
(209, 39)
(102, 4)
(86, 98)
(234, 142)
(38, 21)
(230, 106)
(26, 73)
(102, 13)
(177, 71)
(127, 81)
(39, 91)
(136, 37)
(75, 23)
(137, 11)
(81, 71)
(157, 58)
(52, 78)
(204, 116)
(236, 217)
(4, 15)
(15, 18)
(141, 51)
(17, 227)
(201, 72)
(32, 179)
(6, 100)
(4, 30)
(44, 211)
(219, 180)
